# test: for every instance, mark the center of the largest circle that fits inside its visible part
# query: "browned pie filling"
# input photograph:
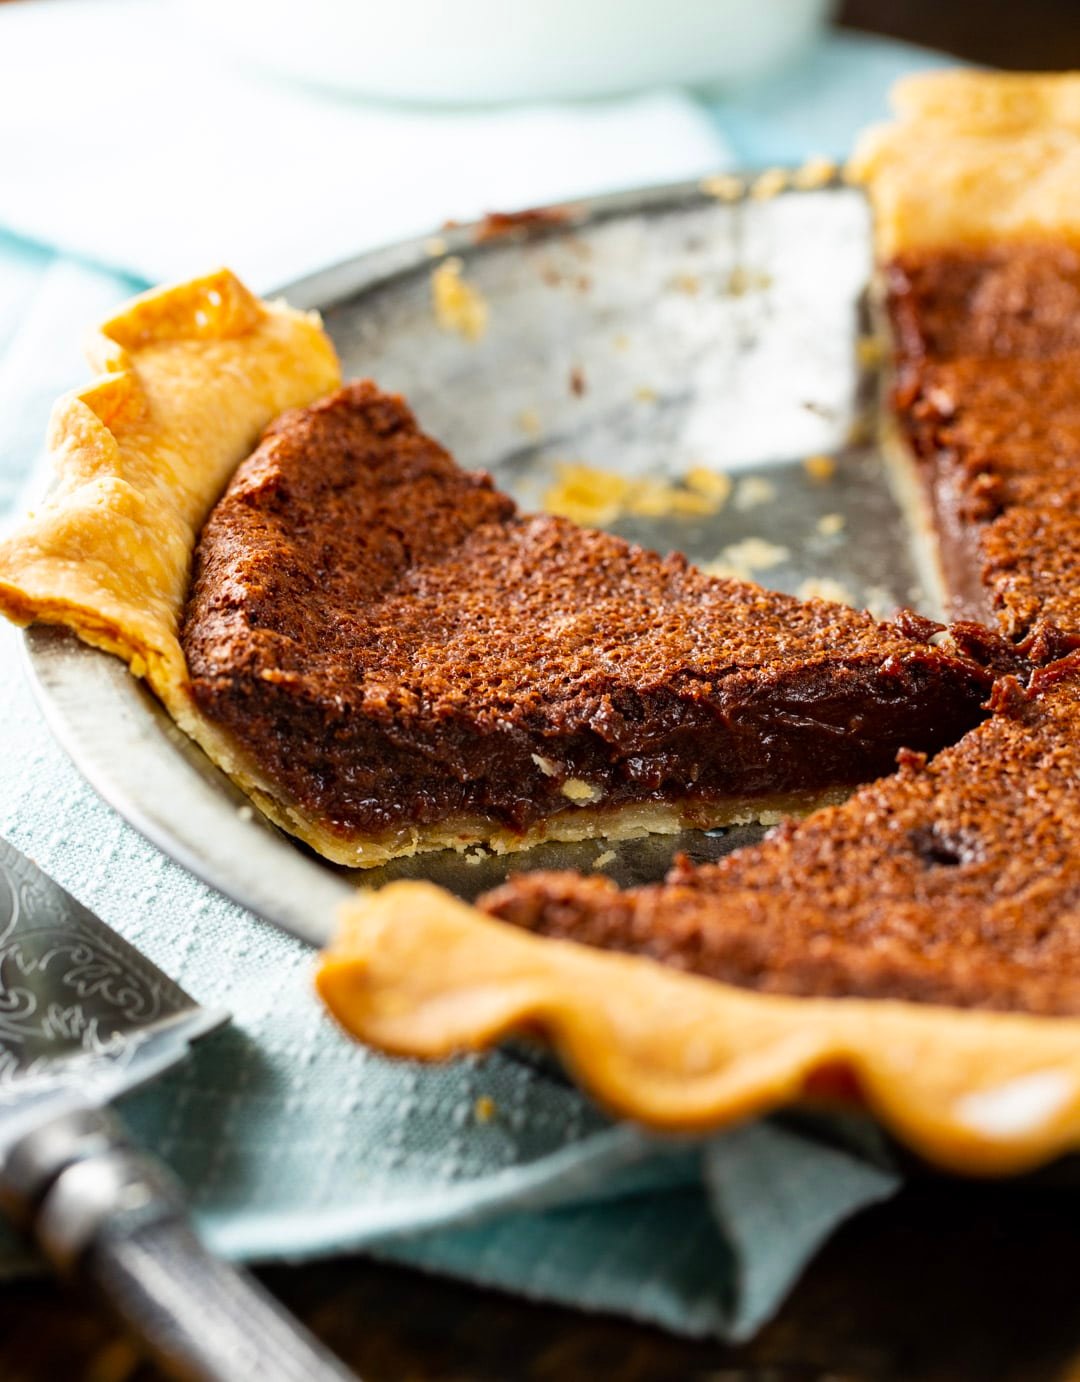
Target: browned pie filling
(988, 394)
(955, 881)
(391, 643)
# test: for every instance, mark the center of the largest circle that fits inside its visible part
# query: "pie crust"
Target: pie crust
(189, 377)
(415, 972)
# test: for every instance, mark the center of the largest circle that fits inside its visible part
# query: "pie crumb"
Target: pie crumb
(820, 467)
(829, 524)
(644, 393)
(484, 1109)
(435, 246)
(529, 422)
(458, 305)
(754, 554)
(711, 484)
(547, 766)
(602, 860)
(825, 588)
(576, 789)
(472, 857)
(595, 497)
(753, 491)
(725, 187)
(814, 173)
(742, 280)
(768, 184)
(869, 351)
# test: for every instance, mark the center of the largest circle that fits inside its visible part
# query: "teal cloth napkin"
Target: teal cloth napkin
(292, 1141)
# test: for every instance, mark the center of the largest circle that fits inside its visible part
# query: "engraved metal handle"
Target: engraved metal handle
(103, 1211)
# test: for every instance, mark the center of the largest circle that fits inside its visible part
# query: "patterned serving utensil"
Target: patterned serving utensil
(84, 1017)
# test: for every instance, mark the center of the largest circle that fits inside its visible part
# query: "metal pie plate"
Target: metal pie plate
(645, 333)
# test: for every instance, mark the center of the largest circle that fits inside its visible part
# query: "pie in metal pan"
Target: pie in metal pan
(911, 947)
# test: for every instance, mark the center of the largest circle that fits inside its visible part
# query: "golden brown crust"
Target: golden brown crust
(414, 972)
(190, 375)
(974, 158)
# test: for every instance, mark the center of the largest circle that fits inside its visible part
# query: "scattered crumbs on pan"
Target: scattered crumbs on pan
(816, 172)
(246, 813)
(435, 246)
(621, 342)
(484, 1109)
(825, 588)
(689, 284)
(529, 422)
(577, 381)
(742, 280)
(498, 224)
(603, 860)
(752, 491)
(458, 305)
(714, 485)
(645, 393)
(829, 524)
(725, 187)
(595, 497)
(753, 554)
(768, 184)
(819, 468)
(869, 351)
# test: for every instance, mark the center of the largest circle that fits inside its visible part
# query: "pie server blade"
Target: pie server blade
(84, 1017)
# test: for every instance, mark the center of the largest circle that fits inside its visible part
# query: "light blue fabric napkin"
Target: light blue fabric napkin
(292, 1141)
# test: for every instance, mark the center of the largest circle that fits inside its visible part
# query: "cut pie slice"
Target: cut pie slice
(979, 254)
(954, 882)
(404, 662)
(388, 658)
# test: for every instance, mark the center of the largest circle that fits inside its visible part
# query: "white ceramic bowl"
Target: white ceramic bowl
(467, 51)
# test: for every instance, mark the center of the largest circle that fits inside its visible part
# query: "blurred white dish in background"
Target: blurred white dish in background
(463, 51)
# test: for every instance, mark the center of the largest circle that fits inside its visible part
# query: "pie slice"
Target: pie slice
(389, 658)
(403, 662)
(954, 882)
(979, 274)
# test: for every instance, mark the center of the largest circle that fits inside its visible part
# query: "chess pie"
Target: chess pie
(389, 658)
(916, 948)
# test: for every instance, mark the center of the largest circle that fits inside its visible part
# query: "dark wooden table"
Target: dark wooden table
(951, 1281)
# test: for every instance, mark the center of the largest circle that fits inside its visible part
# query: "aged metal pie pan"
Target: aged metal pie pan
(645, 333)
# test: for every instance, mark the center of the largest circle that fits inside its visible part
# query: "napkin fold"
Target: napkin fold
(292, 1141)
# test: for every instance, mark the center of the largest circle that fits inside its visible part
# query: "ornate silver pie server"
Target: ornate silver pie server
(84, 1018)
